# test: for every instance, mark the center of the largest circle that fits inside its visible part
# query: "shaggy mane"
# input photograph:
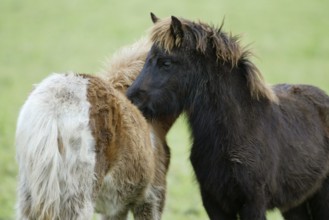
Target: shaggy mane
(122, 68)
(227, 49)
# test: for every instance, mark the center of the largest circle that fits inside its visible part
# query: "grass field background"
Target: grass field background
(290, 40)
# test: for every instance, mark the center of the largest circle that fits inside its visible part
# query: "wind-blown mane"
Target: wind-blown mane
(226, 46)
(123, 67)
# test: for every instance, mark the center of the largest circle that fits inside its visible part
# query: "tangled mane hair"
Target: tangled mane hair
(227, 48)
(120, 69)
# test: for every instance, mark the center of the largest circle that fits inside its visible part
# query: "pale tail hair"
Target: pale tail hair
(55, 151)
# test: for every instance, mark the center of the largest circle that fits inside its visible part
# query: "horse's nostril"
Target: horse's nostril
(137, 97)
(136, 101)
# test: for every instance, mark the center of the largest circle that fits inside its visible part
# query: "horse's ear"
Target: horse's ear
(176, 28)
(154, 18)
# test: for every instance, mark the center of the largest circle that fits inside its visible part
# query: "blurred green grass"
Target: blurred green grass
(290, 40)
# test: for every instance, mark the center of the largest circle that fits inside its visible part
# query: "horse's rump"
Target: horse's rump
(56, 150)
(81, 144)
(309, 95)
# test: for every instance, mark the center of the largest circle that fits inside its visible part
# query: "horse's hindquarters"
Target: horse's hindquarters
(55, 151)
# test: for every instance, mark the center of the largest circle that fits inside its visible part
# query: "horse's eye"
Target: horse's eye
(164, 63)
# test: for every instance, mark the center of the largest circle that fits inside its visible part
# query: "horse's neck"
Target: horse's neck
(219, 113)
(223, 110)
(162, 126)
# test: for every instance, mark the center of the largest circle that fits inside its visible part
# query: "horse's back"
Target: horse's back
(310, 94)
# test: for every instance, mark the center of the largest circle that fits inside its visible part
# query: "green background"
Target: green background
(38, 37)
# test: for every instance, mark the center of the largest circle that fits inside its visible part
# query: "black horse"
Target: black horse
(255, 147)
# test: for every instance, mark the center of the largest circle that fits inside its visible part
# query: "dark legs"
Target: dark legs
(254, 204)
(319, 203)
(253, 212)
(213, 209)
(300, 212)
(255, 208)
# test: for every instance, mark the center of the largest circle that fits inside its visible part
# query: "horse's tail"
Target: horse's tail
(55, 151)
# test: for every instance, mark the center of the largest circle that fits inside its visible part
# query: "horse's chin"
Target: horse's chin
(148, 113)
